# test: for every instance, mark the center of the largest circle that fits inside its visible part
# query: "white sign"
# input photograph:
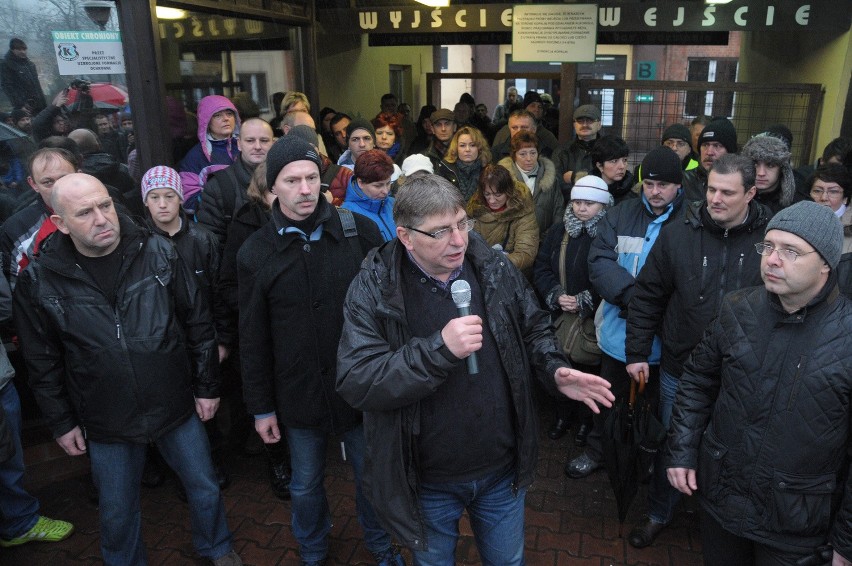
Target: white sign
(564, 33)
(88, 52)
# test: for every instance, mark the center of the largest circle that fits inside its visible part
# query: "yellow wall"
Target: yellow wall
(354, 80)
(803, 58)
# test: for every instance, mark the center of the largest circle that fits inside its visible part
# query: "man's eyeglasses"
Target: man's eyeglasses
(585, 121)
(444, 233)
(785, 254)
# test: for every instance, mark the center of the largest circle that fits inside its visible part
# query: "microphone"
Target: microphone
(460, 290)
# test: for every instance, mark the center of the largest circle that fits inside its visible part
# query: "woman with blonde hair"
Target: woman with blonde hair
(505, 216)
(295, 102)
(466, 156)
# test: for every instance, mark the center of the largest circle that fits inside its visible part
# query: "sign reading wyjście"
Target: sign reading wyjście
(88, 52)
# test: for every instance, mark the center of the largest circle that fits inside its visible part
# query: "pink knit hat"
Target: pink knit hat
(161, 177)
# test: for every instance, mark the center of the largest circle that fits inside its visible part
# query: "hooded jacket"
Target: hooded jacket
(386, 372)
(208, 155)
(692, 266)
(516, 226)
(625, 238)
(549, 206)
(379, 211)
(763, 416)
(123, 372)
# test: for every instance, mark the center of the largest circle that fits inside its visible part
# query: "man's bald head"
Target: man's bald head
(71, 186)
(83, 210)
(297, 118)
(87, 141)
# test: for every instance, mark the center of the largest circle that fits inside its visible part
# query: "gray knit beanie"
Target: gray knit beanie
(306, 133)
(773, 150)
(287, 150)
(814, 223)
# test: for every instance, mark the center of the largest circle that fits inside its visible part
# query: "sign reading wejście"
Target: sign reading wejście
(88, 52)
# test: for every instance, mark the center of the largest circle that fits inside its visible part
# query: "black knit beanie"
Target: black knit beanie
(677, 132)
(662, 164)
(720, 130)
(359, 124)
(287, 150)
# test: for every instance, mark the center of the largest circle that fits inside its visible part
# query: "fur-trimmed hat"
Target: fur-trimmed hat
(773, 151)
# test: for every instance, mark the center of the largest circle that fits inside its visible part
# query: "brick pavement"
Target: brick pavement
(568, 522)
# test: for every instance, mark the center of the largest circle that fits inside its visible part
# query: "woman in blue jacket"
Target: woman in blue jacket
(368, 192)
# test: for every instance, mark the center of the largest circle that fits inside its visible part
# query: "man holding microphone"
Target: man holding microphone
(439, 438)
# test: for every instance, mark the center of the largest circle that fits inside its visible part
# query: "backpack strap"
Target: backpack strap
(350, 230)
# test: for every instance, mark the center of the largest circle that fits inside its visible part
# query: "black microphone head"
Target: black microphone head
(460, 290)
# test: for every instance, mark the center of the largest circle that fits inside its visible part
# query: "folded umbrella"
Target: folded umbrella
(631, 436)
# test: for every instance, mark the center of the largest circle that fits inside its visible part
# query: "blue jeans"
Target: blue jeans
(18, 509)
(117, 471)
(496, 517)
(311, 519)
(662, 497)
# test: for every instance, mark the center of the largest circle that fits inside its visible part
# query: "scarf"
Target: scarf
(468, 177)
(529, 177)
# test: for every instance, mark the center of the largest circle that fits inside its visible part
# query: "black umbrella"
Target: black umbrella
(8, 133)
(631, 437)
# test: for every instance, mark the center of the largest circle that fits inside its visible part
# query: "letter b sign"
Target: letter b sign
(646, 70)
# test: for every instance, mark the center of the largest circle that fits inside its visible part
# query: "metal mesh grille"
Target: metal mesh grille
(639, 111)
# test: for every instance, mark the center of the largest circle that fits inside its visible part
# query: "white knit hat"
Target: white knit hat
(591, 188)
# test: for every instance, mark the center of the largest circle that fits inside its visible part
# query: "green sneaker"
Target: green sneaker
(45, 530)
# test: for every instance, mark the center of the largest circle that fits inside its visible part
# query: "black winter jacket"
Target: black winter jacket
(386, 372)
(19, 80)
(198, 250)
(291, 314)
(763, 414)
(693, 264)
(224, 194)
(125, 372)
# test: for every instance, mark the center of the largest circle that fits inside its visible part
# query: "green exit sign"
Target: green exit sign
(644, 98)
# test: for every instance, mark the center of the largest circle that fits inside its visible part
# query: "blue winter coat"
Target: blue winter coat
(379, 211)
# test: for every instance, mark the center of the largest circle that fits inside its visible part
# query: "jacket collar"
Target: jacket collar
(828, 295)
(324, 225)
(698, 217)
(58, 252)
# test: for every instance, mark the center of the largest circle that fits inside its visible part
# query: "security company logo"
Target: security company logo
(68, 51)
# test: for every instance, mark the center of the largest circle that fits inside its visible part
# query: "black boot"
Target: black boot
(278, 459)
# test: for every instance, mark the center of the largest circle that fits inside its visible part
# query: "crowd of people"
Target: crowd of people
(402, 287)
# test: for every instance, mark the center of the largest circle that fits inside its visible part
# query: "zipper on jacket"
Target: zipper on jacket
(160, 281)
(740, 271)
(703, 278)
(55, 302)
(795, 382)
(117, 326)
